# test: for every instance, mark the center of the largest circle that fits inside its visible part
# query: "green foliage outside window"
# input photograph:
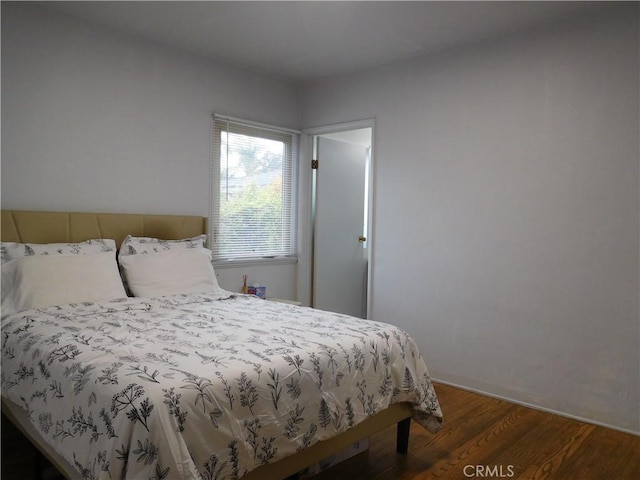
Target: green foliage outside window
(255, 210)
(252, 215)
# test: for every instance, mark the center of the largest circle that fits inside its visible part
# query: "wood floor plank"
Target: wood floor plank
(551, 468)
(548, 433)
(606, 451)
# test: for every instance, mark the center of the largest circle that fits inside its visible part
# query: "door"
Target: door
(340, 257)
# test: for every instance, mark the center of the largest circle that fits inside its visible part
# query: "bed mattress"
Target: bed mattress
(202, 385)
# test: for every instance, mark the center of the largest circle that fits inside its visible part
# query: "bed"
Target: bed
(197, 384)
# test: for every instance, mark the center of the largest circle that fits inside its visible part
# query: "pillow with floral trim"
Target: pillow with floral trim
(13, 250)
(141, 245)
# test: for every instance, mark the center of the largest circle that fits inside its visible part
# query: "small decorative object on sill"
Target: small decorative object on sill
(259, 291)
(245, 289)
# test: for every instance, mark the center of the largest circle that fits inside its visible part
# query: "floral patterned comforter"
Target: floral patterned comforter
(202, 386)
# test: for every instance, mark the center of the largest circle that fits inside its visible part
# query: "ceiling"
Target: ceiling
(300, 41)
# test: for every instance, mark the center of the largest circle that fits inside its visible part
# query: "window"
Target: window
(253, 196)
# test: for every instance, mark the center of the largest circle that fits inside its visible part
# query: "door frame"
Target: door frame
(306, 207)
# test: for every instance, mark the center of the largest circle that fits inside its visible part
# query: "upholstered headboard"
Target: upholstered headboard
(63, 227)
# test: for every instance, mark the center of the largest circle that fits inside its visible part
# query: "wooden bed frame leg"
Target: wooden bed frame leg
(402, 439)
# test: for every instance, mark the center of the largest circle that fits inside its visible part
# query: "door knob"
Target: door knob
(362, 239)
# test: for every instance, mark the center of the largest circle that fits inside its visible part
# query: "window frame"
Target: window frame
(290, 162)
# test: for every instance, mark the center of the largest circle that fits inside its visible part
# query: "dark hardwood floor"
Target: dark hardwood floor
(483, 438)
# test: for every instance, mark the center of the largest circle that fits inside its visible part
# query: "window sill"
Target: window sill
(255, 262)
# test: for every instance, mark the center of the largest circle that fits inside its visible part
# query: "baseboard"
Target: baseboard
(535, 407)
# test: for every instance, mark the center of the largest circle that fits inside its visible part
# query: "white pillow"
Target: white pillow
(145, 245)
(46, 280)
(170, 272)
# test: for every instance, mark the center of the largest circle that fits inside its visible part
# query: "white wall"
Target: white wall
(95, 120)
(509, 170)
(506, 216)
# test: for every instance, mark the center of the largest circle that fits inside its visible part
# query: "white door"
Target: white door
(340, 258)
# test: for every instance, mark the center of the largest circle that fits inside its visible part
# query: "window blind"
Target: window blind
(253, 213)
